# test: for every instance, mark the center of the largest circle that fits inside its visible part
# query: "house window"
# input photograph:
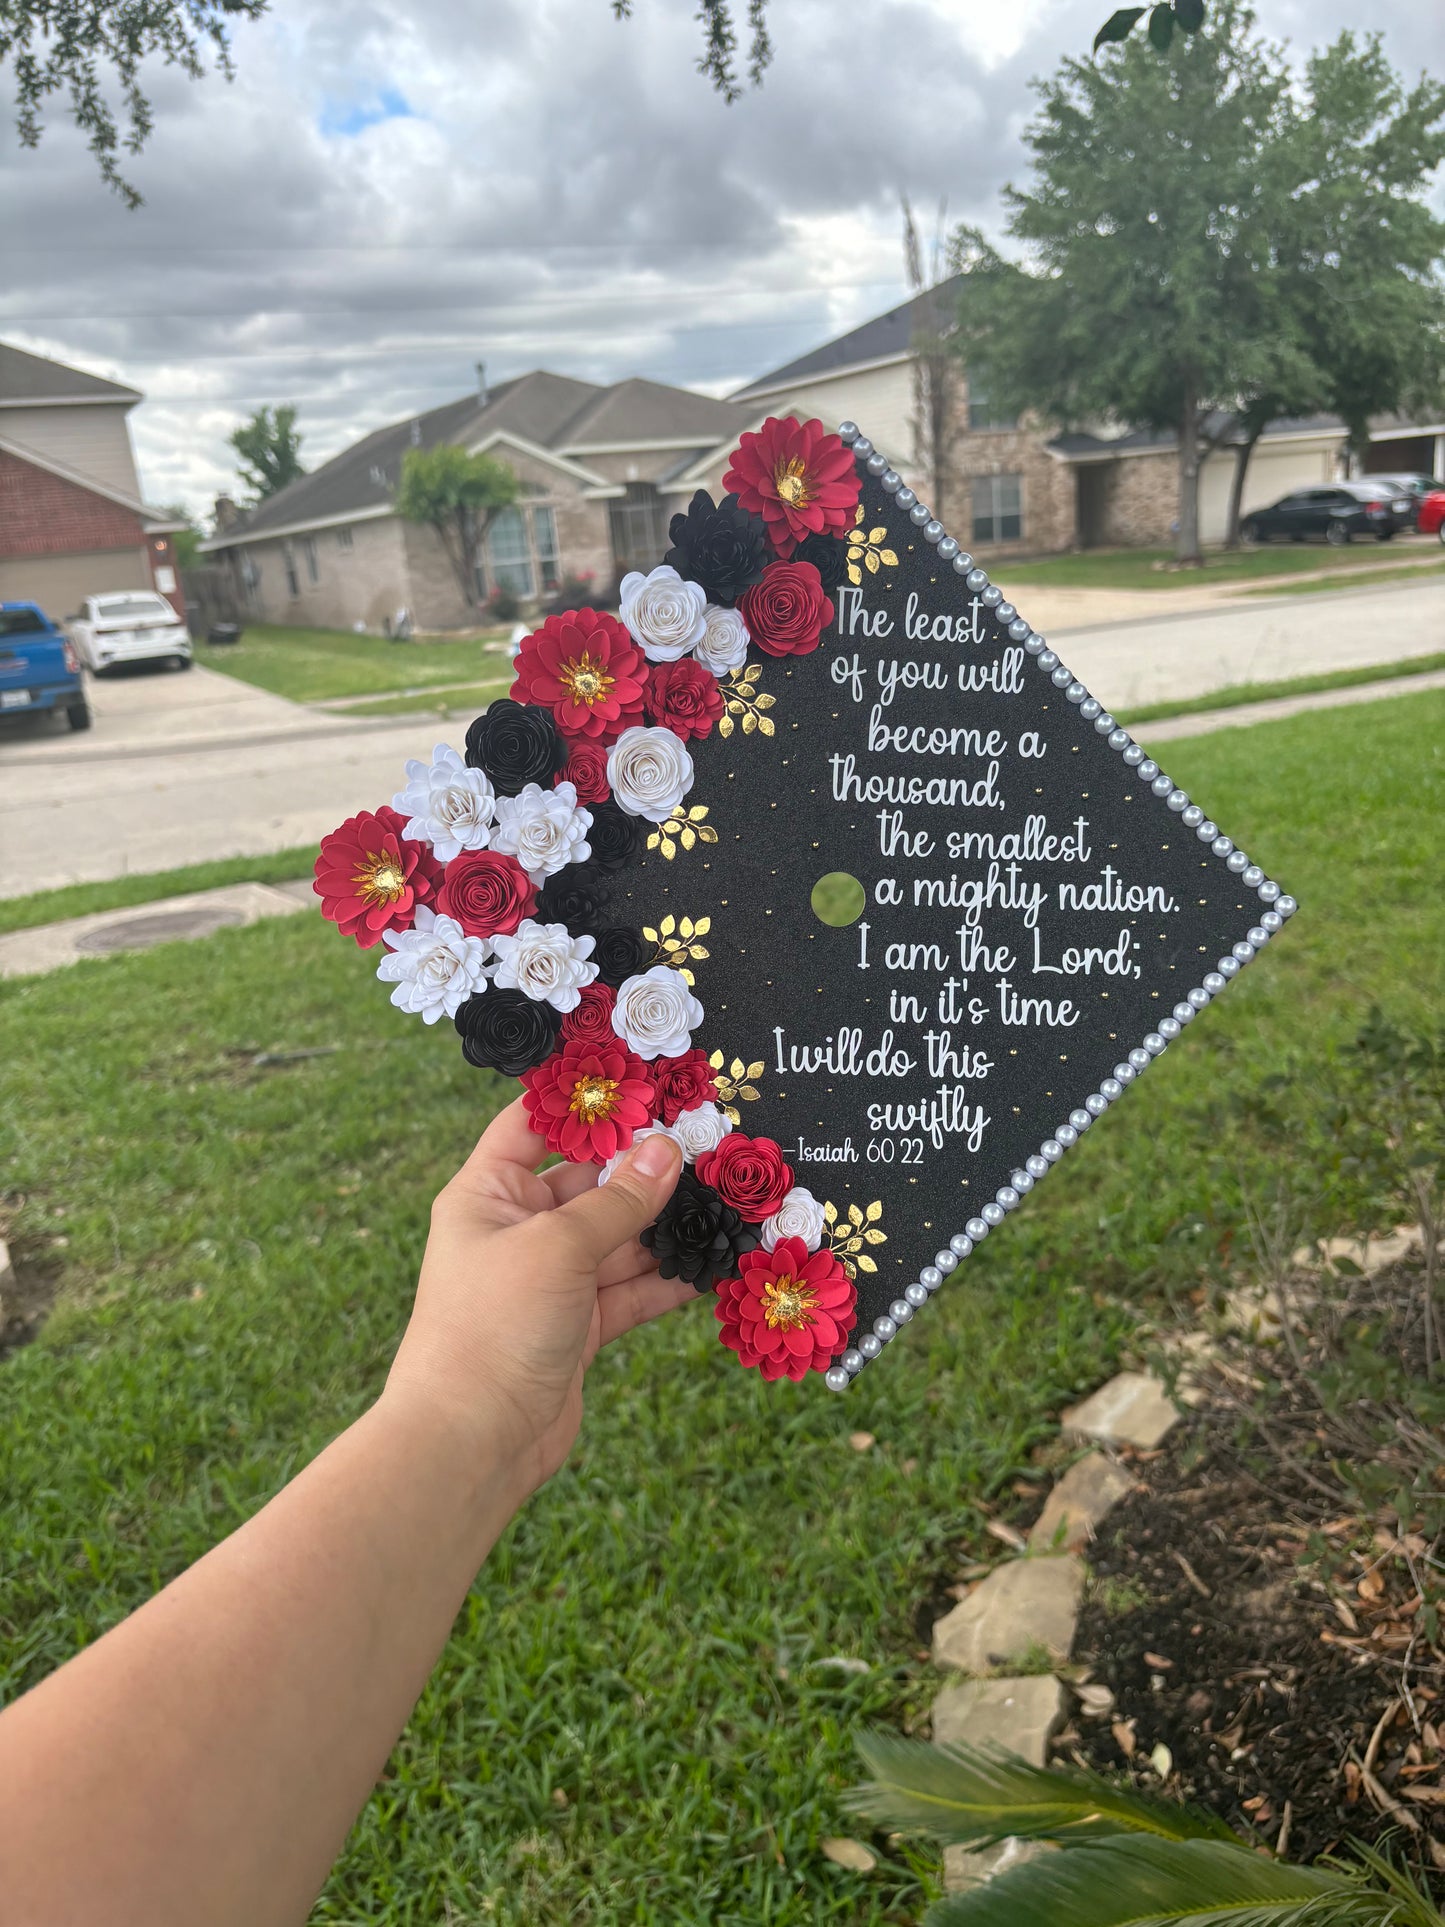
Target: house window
(343, 539)
(520, 553)
(983, 414)
(250, 578)
(544, 541)
(293, 585)
(308, 549)
(639, 527)
(997, 508)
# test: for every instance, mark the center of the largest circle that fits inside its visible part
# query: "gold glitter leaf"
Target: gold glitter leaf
(737, 709)
(855, 1214)
(699, 955)
(855, 575)
(688, 838)
(877, 535)
(765, 701)
(707, 834)
(702, 926)
(728, 1111)
(750, 723)
(747, 1091)
(687, 977)
(669, 848)
(696, 814)
(865, 1263)
(668, 925)
(765, 725)
(830, 1212)
(848, 1270)
(875, 1237)
(725, 726)
(752, 673)
(715, 1062)
(754, 1070)
(654, 840)
(874, 1211)
(651, 935)
(870, 556)
(887, 557)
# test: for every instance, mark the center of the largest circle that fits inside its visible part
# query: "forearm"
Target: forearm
(204, 1761)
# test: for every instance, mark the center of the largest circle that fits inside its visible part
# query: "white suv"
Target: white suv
(134, 625)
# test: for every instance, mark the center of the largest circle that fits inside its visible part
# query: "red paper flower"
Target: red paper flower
(799, 478)
(586, 769)
(683, 697)
(587, 1101)
(750, 1173)
(370, 878)
(488, 893)
(787, 612)
(585, 668)
(789, 1311)
(682, 1084)
(590, 1019)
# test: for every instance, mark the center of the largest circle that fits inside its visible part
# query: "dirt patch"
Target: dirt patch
(26, 1297)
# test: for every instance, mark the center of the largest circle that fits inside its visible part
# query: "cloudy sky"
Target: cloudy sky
(385, 196)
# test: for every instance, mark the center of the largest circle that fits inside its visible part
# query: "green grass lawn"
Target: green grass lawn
(311, 665)
(119, 893)
(1238, 694)
(647, 1638)
(1155, 568)
(465, 701)
(1314, 585)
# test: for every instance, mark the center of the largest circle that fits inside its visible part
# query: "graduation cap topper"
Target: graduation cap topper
(820, 860)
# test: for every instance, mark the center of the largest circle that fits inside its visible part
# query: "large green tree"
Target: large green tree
(459, 496)
(1210, 245)
(268, 450)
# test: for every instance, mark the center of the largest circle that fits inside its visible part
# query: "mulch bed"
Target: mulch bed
(1273, 1654)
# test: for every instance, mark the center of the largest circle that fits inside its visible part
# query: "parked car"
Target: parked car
(1430, 516)
(39, 668)
(1413, 484)
(134, 625)
(1338, 512)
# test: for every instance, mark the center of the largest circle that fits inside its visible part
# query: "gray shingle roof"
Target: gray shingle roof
(27, 379)
(649, 411)
(885, 335)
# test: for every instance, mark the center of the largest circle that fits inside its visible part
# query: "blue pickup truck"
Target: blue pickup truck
(39, 668)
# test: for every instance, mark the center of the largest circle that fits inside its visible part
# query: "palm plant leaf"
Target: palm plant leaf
(971, 1798)
(1139, 1881)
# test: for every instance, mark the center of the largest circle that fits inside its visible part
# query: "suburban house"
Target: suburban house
(1009, 486)
(597, 465)
(72, 521)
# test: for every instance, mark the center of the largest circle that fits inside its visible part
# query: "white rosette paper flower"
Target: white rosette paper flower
(543, 829)
(799, 1216)
(656, 1014)
(700, 1130)
(545, 962)
(446, 804)
(604, 1171)
(435, 966)
(649, 773)
(664, 615)
(724, 645)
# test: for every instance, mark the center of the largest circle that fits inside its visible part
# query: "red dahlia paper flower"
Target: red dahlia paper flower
(682, 1084)
(798, 477)
(587, 1101)
(370, 878)
(585, 668)
(787, 612)
(683, 697)
(487, 892)
(591, 1016)
(789, 1310)
(749, 1173)
(586, 769)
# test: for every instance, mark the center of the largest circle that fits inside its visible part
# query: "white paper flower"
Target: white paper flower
(436, 966)
(649, 772)
(799, 1216)
(543, 829)
(446, 804)
(724, 644)
(664, 614)
(700, 1130)
(652, 1130)
(545, 962)
(656, 1014)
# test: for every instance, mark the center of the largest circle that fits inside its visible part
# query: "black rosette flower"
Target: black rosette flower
(719, 545)
(614, 838)
(515, 744)
(576, 896)
(828, 555)
(505, 1031)
(620, 952)
(697, 1235)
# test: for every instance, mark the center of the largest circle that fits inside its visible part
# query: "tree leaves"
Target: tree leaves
(1119, 26)
(1161, 27)
(1187, 15)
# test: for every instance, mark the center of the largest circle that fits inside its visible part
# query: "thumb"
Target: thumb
(612, 1214)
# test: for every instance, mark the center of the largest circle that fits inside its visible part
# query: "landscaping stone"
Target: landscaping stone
(1255, 1311)
(1370, 1254)
(27, 953)
(1020, 1714)
(1079, 1504)
(1132, 1409)
(1023, 1605)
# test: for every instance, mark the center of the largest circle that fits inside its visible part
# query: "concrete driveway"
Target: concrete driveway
(185, 767)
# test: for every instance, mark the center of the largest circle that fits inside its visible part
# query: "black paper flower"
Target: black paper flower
(504, 1030)
(576, 896)
(615, 837)
(828, 555)
(719, 545)
(515, 744)
(697, 1236)
(619, 953)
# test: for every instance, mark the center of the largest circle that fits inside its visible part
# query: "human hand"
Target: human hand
(524, 1277)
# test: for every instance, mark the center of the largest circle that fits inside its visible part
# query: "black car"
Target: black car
(1338, 512)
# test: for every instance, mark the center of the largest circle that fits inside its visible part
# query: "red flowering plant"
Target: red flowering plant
(799, 478)
(487, 883)
(585, 668)
(789, 1310)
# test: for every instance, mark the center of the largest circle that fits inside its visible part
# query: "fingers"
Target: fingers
(566, 1181)
(598, 1220)
(508, 1139)
(621, 1308)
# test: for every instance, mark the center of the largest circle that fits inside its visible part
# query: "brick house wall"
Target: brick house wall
(41, 514)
